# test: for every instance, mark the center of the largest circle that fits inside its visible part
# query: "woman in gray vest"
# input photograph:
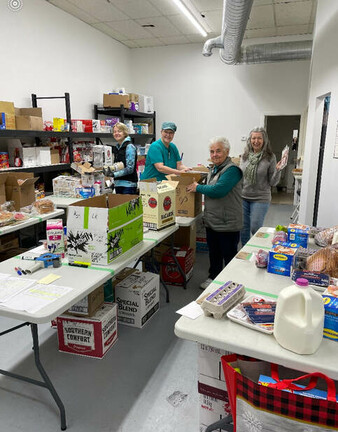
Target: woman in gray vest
(222, 207)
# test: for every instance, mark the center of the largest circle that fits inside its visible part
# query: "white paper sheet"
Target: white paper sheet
(12, 286)
(36, 297)
(192, 310)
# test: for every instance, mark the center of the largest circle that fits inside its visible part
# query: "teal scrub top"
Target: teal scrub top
(158, 152)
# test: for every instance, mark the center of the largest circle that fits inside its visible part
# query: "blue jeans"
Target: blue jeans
(253, 218)
(126, 190)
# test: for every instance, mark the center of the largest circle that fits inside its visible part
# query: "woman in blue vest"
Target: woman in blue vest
(125, 180)
(223, 213)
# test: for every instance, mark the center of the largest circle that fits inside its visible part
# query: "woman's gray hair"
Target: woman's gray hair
(266, 149)
(220, 140)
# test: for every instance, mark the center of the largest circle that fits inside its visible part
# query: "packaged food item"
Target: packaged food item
(44, 206)
(55, 240)
(324, 238)
(325, 261)
(280, 236)
(6, 217)
(262, 258)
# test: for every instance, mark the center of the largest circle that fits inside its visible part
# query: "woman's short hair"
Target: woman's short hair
(267, 152)
(220, 140)
(122, 128)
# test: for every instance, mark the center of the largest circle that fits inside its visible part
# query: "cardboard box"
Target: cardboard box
(3, 178)
(281, 258)
(102, 228)
(188, 204)
(201, 237)
(186, 236)
(8, 241)
(169, 269)
(7, 111)
(212, 410)
(209, 363)
(115, 100)
(29, 157)
(330, 298)
(89, 304)
(29, 119)
(20, 188)
(146, 104)
(158, 200)
(138, 298)
(90, 337)
(298, 233)
(54, 156)
(133, 97)
(43, 156)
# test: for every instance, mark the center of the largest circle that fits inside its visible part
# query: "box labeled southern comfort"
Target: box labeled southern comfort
(90, 337)
(138, 298)
(169, 269)
(102, 228)
(158, 200)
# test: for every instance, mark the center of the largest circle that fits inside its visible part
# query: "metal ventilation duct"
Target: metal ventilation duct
(235, 17)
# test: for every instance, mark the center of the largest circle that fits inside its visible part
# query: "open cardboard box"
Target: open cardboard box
(20, 189)
(189, 204)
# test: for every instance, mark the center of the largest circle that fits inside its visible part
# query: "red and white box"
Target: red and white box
(88, 336)
(212, 410)
(170, 272)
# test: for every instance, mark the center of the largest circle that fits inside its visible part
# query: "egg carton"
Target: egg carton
(224, 298)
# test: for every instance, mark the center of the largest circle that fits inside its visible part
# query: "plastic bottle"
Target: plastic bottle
(299, 318)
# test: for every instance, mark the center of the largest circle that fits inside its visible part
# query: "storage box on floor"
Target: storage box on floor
(102, 228)
(189, 204)
(88, 336)
(169, 270)
(213, 395)
(138, 298)
(159, 203)
(20, 188)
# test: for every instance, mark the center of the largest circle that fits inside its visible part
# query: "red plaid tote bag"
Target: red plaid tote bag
(276, 408)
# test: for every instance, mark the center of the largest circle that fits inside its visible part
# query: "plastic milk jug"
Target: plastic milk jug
(299, 318)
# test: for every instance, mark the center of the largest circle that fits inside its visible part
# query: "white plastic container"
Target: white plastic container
(299, 318)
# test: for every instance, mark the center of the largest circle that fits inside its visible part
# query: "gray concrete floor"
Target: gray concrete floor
(126, 391)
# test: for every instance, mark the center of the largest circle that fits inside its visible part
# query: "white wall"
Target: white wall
(323, 80)
(49, 52)
(208, 98)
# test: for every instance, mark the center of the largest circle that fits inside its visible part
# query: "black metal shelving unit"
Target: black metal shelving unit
(124, 114)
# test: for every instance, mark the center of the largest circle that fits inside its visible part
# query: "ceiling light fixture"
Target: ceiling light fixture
(190, 16)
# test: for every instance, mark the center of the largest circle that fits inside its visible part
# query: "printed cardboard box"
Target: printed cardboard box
(102, 228)
(90, 337)
(298, 233)
(330, 298)
(281, 258)
(89, 304)
(158, 200)
(169, 269)
(20, 189)
(212, 410)
(186, 236)
(7, 116)
(138, 298)
(189, 204)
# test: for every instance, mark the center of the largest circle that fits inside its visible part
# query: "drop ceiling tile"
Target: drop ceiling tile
(101, 9)
(175, 40)
(167, 7)
(261, 17)
(293, 30)
(208, 5)
(182, 24)
(105, 28)
(259, 33)
(262, 2)
(198, 38)
(214, 21)
(313, 11)
(130, 43)
(130, 28)
(162, 26)
(311, 28)
(293, 13)
(136, 8)
(151, 42)
(73, 10)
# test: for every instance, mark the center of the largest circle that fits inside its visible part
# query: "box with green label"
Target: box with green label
(102, 228)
